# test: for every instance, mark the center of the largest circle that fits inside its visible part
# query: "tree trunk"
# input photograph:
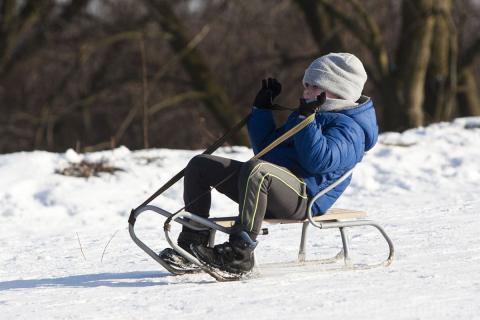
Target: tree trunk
(412, 61)
(468, 96)
(468, 99)
(440, 85)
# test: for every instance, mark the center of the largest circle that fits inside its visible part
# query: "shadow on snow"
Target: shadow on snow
(137, 279)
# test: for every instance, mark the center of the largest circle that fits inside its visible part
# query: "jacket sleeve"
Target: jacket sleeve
(323, 150)
(261, 129)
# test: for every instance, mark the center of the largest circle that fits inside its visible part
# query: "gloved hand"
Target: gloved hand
(307, 108)
(271, 88)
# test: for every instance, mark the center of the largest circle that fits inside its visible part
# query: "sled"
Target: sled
(333, 218)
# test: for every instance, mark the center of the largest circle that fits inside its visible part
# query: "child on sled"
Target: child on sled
(280, 184)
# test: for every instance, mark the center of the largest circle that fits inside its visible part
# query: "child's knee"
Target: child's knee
(196, 163)
(250, 166)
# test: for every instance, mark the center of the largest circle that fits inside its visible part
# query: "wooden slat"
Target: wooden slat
(332, 214)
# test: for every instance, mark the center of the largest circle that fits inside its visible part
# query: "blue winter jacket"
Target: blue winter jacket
(322, 151)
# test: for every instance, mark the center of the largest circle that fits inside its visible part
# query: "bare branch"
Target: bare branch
(144, 92)
(216, 100)
(190, 46)
(320, 25)
(371, 39)
(347, 21)
(80, 245)
(186, 96)
(88, 49)
(105, 249)
(27, 22)
(376, 40)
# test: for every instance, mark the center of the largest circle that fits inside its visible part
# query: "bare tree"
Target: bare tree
(97, 74)
(23, 31)
(216, 99)
(421, 77)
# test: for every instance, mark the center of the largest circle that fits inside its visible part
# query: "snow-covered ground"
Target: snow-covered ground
(421, 185)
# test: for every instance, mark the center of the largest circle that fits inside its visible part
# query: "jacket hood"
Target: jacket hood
(364, 116)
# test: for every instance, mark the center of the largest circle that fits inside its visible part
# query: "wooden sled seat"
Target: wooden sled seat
(334, 214)
(333, 218)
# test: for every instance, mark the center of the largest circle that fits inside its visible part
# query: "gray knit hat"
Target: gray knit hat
(342, 74)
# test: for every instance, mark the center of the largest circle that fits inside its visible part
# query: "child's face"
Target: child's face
(311, 91)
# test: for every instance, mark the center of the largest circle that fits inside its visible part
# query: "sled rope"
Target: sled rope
(285, 136)
(209, 150)
(320, 100)
(305, 122)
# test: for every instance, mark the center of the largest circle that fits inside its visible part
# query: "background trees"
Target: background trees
(154, 73)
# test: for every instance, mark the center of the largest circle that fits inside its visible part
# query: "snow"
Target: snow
(421, 186)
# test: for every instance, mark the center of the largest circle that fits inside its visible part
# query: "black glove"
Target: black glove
(307, 108)
(271, 88)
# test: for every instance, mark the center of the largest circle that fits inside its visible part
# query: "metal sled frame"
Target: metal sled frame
(218, 224)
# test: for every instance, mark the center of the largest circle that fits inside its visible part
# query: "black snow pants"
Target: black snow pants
(262, 190)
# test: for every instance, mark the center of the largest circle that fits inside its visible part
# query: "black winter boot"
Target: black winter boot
(235, 256)
(186, 238)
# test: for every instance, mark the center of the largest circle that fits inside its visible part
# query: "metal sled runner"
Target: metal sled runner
(334, 218)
